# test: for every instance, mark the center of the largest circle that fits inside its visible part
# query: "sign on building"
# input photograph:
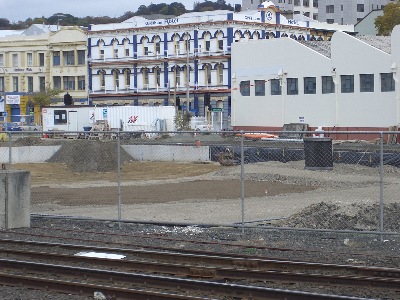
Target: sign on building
(13, 99)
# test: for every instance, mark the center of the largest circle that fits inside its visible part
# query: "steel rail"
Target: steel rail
(167, 282)
(214, 272)
(223, 259)
(74, 287)
(160, 237)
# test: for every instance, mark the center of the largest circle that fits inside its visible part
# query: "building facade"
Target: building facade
(184, 61)
(330, 11)
(308, 8)
(347, 11)
(29, 64)
(340, 90)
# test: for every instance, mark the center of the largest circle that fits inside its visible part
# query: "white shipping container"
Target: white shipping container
(138, 118)
(67, 118)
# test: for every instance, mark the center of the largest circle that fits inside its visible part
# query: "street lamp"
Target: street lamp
(58, 19)
(3, 95)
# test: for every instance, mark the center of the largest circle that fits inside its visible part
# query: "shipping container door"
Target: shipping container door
(73, 121)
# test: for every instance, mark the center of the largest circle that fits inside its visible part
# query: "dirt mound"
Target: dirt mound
(28, 141)
(90, 156)
(352, 217)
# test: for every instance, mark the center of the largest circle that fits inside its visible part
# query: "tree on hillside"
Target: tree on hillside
(4, 23)
(389, 19)
(209, 6)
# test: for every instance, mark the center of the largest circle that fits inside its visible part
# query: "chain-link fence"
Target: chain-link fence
(266, 179)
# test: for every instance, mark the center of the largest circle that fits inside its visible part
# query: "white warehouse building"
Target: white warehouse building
(346, 84)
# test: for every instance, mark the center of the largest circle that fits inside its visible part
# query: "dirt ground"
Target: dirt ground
(57, 183)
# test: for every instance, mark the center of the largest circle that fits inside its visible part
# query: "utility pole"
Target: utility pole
(187, 71)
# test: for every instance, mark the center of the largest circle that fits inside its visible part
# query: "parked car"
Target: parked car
(203, 128)
(12, 126)
(18, 126)
(31, 127)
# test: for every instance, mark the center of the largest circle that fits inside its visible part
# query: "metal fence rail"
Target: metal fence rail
(263, 179)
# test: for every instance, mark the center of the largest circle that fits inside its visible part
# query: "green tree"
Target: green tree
(43, 98)
(389, 19)
(209, 6)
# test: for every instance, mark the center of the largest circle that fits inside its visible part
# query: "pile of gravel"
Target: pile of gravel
(90, 156)
(351, 217)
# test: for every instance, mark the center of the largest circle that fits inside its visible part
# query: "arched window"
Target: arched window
(246, 36)
(157, 45)
(187, 75)
(127, 77)
(157, 76)
(207, 41)
(220, 74)
(238, 36)
(126, 48)
(207, 73)
(115, 74)
(177, 75)
(186, 39)
(256, 35)
(101, 49)
(102, 79)
(176, 44)
(145, 41)
(220, 41)
(145, 73)
(115, 48)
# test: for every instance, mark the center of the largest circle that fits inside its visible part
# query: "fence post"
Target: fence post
(9, 150)
(381, 186)
(119, 177)
(242, 174)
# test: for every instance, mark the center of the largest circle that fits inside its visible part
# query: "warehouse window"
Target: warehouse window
(292, 86)
(366, 83)
(347, 83)
(275, 87)
(387, 82)
(259, 87)
(245, 88)
(310, 85)
(330, 9)
(328, 87)
(60, 117)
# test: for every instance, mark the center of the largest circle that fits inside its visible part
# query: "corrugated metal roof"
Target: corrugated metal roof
(380, 42)
(322, 47)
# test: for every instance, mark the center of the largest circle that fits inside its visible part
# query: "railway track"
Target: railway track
(228, 276)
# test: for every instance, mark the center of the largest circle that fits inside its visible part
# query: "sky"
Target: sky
(20, 10)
